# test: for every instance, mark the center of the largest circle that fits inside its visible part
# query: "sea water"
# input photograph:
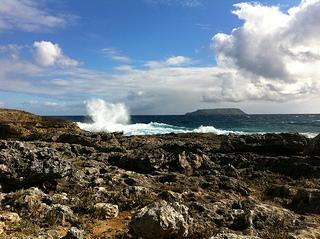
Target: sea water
(107, 117)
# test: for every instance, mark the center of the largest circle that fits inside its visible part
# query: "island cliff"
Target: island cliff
(219, 111)
(57, 181)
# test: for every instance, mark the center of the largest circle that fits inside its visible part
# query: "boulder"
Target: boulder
(106, 210)
(29, 202)
(260, 216)
(232, 236)
(163, 219)
(313, 147)
(11, 217)
(306, 201)
(60, 215)
(74, 233)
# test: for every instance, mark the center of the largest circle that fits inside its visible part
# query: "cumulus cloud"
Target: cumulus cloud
(273, 56)
(115, 55)
(49, 54)
(173, 61)
(28, 15)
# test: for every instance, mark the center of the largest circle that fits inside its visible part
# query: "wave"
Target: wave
(151, 129)
(109, 117)
(309, 134)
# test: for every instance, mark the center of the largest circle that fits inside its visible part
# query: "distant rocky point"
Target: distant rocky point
(219, 111)
(18, 124)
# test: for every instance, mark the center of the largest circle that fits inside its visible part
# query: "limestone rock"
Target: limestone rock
(306, 201)
(20, 166)
(313, 147)
(163, 219)
(11, 217)
(106, 210)
(74, 233)
(232, 236)
(60, 214)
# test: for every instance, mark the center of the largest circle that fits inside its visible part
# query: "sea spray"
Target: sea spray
(106, 116)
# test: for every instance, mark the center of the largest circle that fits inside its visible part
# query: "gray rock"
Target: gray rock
(60, 214)
(306, 233)
(306, 201)
(21, 166)
(10, 217)
(30, 201)
(161, 219)
(106, 210)
(74, 233)
(232, 236)
(313, 147)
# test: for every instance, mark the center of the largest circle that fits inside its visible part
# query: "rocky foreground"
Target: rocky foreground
(57, 181)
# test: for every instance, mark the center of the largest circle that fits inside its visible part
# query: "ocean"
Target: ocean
(109, 117)
(307, 124)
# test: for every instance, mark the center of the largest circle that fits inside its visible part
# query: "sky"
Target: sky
(160, 56)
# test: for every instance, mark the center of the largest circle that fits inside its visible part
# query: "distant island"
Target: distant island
(220, 111)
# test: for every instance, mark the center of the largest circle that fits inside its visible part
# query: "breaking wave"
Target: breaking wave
(109, 117)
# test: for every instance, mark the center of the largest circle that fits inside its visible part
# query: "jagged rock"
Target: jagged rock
(282, 191)
(30, 201)
(232, 236)
(184, 164)
(132, 162)
(242, 184)
(17, 124)
(60, 214)
(106, 210)
(60, 198)
(306, 201)
(165, 220)
(313, 147)
(285, 143)
(74, 233)
(306, 233)
(11, 217)
(21, 166)
(2, 228)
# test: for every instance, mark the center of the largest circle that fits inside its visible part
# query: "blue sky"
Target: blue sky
(67, 52)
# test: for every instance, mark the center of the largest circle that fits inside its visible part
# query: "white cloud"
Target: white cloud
(263, 65)
(177, 61)
(28, 15)
(48, 54)
(114, 54)
(123, 68)
(50, 104)
(173, 61)
(10, 51)
(274, 56)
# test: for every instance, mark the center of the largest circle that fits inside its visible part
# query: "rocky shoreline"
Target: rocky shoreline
(58, 181)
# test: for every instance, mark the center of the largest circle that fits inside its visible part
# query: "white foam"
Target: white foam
(310, 135)
(109, 117)
(211, 129)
